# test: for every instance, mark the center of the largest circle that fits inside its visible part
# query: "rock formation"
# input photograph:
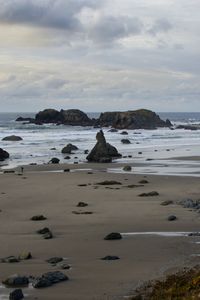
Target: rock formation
(102, 151)
(12, 138)
(3, 154)
(138, 119)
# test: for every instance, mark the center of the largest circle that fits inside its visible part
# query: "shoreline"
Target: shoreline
(80, 238)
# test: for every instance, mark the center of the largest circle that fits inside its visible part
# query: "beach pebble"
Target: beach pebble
(46, 232)
(38, 218)
(172, 218)
(127, 168)
(113, 236)
(110, 257)
(143, 181)
(16, 295)
(10, 259)
(54, 260)
(82, 204)
(166, 202)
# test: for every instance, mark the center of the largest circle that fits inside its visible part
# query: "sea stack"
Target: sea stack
(102, 151)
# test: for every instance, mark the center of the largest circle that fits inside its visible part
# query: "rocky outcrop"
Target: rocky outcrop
(138, 119)
(74, 117)
(102, 151)
(12, 138)
(3, 154)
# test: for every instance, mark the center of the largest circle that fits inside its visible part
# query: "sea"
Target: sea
(150, 151)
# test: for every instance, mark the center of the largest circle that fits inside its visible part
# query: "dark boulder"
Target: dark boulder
(102, 151)
(127, 168)
(16, 295)
(54, 260)
(38, 218)
(113, 236)
(54, 160)
(3, 154)
(16, 281)
(125, 141)
(12, 138)
(172, 218)
(48, 279)
(69, 148)
(138, 119)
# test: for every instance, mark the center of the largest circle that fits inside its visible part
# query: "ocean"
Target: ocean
(42, 142)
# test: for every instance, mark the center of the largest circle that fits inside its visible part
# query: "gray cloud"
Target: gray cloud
(58, 14)
(160, 26)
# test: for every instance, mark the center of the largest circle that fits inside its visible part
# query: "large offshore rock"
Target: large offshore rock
(3, 154)
(48, 116)
(12, 138)
(138, 119)
(75, 117)
(102, 151)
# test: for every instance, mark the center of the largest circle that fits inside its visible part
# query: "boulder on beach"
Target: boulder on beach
(12, 138)
(3, 154)
(48, 279)
(125, 141)
(102, 151)
(113, 236)
(16, 281)
(54, 160)
(69, 148)
(17, 294)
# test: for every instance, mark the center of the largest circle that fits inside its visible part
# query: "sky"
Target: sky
(100, 55)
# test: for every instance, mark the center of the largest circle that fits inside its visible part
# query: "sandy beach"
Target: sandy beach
(79, 238)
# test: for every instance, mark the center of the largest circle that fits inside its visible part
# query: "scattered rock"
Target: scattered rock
(10, 259)
(86, 151)
(172, 218)
(127, 168)
(194, 234)
(16, 281)
(82, 204)
(150, 194)
(113, 130)
(125, 141)
(69, 148)
(67, 157)
(82, 184)
(54, 260)
(3, 154)
(25, 256)
(53, 148)
(143, 181)
(54, 160)
(113, 236)
(102, 151)
(8, 172)
(132, 186)
(109, 182)
(64, 266)
(82, 212)
(139, 152)
(166, 202)
(189, 203)
(16, 295)
(110, 257)
(66, 170)
(47, 234)
(48, 279)
(124, 133)
(38, 218)
(12, 138)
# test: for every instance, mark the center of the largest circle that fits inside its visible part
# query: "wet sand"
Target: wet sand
(80, 238)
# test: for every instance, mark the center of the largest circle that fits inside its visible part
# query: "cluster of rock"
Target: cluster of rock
(137, 119)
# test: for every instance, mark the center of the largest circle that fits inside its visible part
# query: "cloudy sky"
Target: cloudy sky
(99, 55)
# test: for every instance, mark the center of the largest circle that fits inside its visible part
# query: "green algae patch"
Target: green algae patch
(184, 285)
